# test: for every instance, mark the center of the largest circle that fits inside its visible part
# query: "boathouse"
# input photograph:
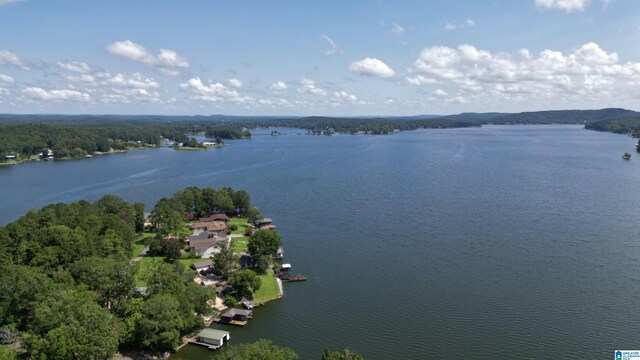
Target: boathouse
(213, 337)
(237, 315)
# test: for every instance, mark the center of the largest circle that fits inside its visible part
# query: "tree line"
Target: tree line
(78, 138)
(67, 286)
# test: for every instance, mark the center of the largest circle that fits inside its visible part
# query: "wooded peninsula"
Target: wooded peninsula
(34, 137)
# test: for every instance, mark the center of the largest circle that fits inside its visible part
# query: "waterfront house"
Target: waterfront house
(213, 226)
(199, 244)
(213, 337)
(216, 217)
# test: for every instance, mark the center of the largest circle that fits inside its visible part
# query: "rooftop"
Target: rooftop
(213, 334)
(201, 264)
(233, 312)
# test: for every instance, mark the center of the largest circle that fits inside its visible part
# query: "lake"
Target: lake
(510, 242)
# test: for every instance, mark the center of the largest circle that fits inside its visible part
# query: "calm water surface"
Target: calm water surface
(505, 242)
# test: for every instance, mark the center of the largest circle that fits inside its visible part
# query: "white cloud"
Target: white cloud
(83, 78)
(420, 80)
(6, 79)
(213, 92)
(440, 92)
(344, 96)
(587, 73)
(309, 86)
(279, 85)
(137, 80)
(37, 93)
(7, 57)
(334, 48)
(397, 29)
(168, 61)
(467, 23)
(75, 66)
(566, 5)
(372, 67)
(235, 83)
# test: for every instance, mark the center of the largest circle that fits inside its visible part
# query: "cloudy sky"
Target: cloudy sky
(338, 57)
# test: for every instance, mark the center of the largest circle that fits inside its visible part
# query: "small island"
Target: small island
(88, 279)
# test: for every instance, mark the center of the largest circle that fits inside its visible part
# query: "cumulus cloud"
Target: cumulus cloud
(75, 66)
(167, 61)
(372, 67)
(309, 86)
(440, 92)
(7, 57)
(479, 74)
(137, 81)
(334, 49)
(83, 78)
(566, 5)
(37, 93)
(343, 95)
(235, 83)
(279, 85)
(397, 29)
(420, 80)
(213, 92)
(6, 79)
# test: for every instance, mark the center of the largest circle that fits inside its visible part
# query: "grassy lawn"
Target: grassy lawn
(240, 223)
(140, 243)
(239, 244)
(268, 290)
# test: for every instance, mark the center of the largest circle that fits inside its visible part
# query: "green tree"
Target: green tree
(21, 288)
(199, 296)
(241, 201)
(264, 243)
(111, 278)
(165, 279)
(245, 282)
(74, 326)
(161, 323)
(139, 222)
(224, 262)
(167, 216)
(259, 350)
(230, 301)
(346, 354)
(252, 214)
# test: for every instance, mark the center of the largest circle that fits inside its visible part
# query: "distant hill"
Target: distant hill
(560, 116)
(620, 125)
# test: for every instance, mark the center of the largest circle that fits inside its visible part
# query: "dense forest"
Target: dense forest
(544, 117)
(80, 137)
(67, 287)
(622, 125)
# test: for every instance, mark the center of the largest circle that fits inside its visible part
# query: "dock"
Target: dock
(208, 346)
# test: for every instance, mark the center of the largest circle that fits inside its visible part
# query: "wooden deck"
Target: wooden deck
(237, 322)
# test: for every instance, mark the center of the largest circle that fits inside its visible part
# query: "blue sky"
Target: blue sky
(317, 57)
